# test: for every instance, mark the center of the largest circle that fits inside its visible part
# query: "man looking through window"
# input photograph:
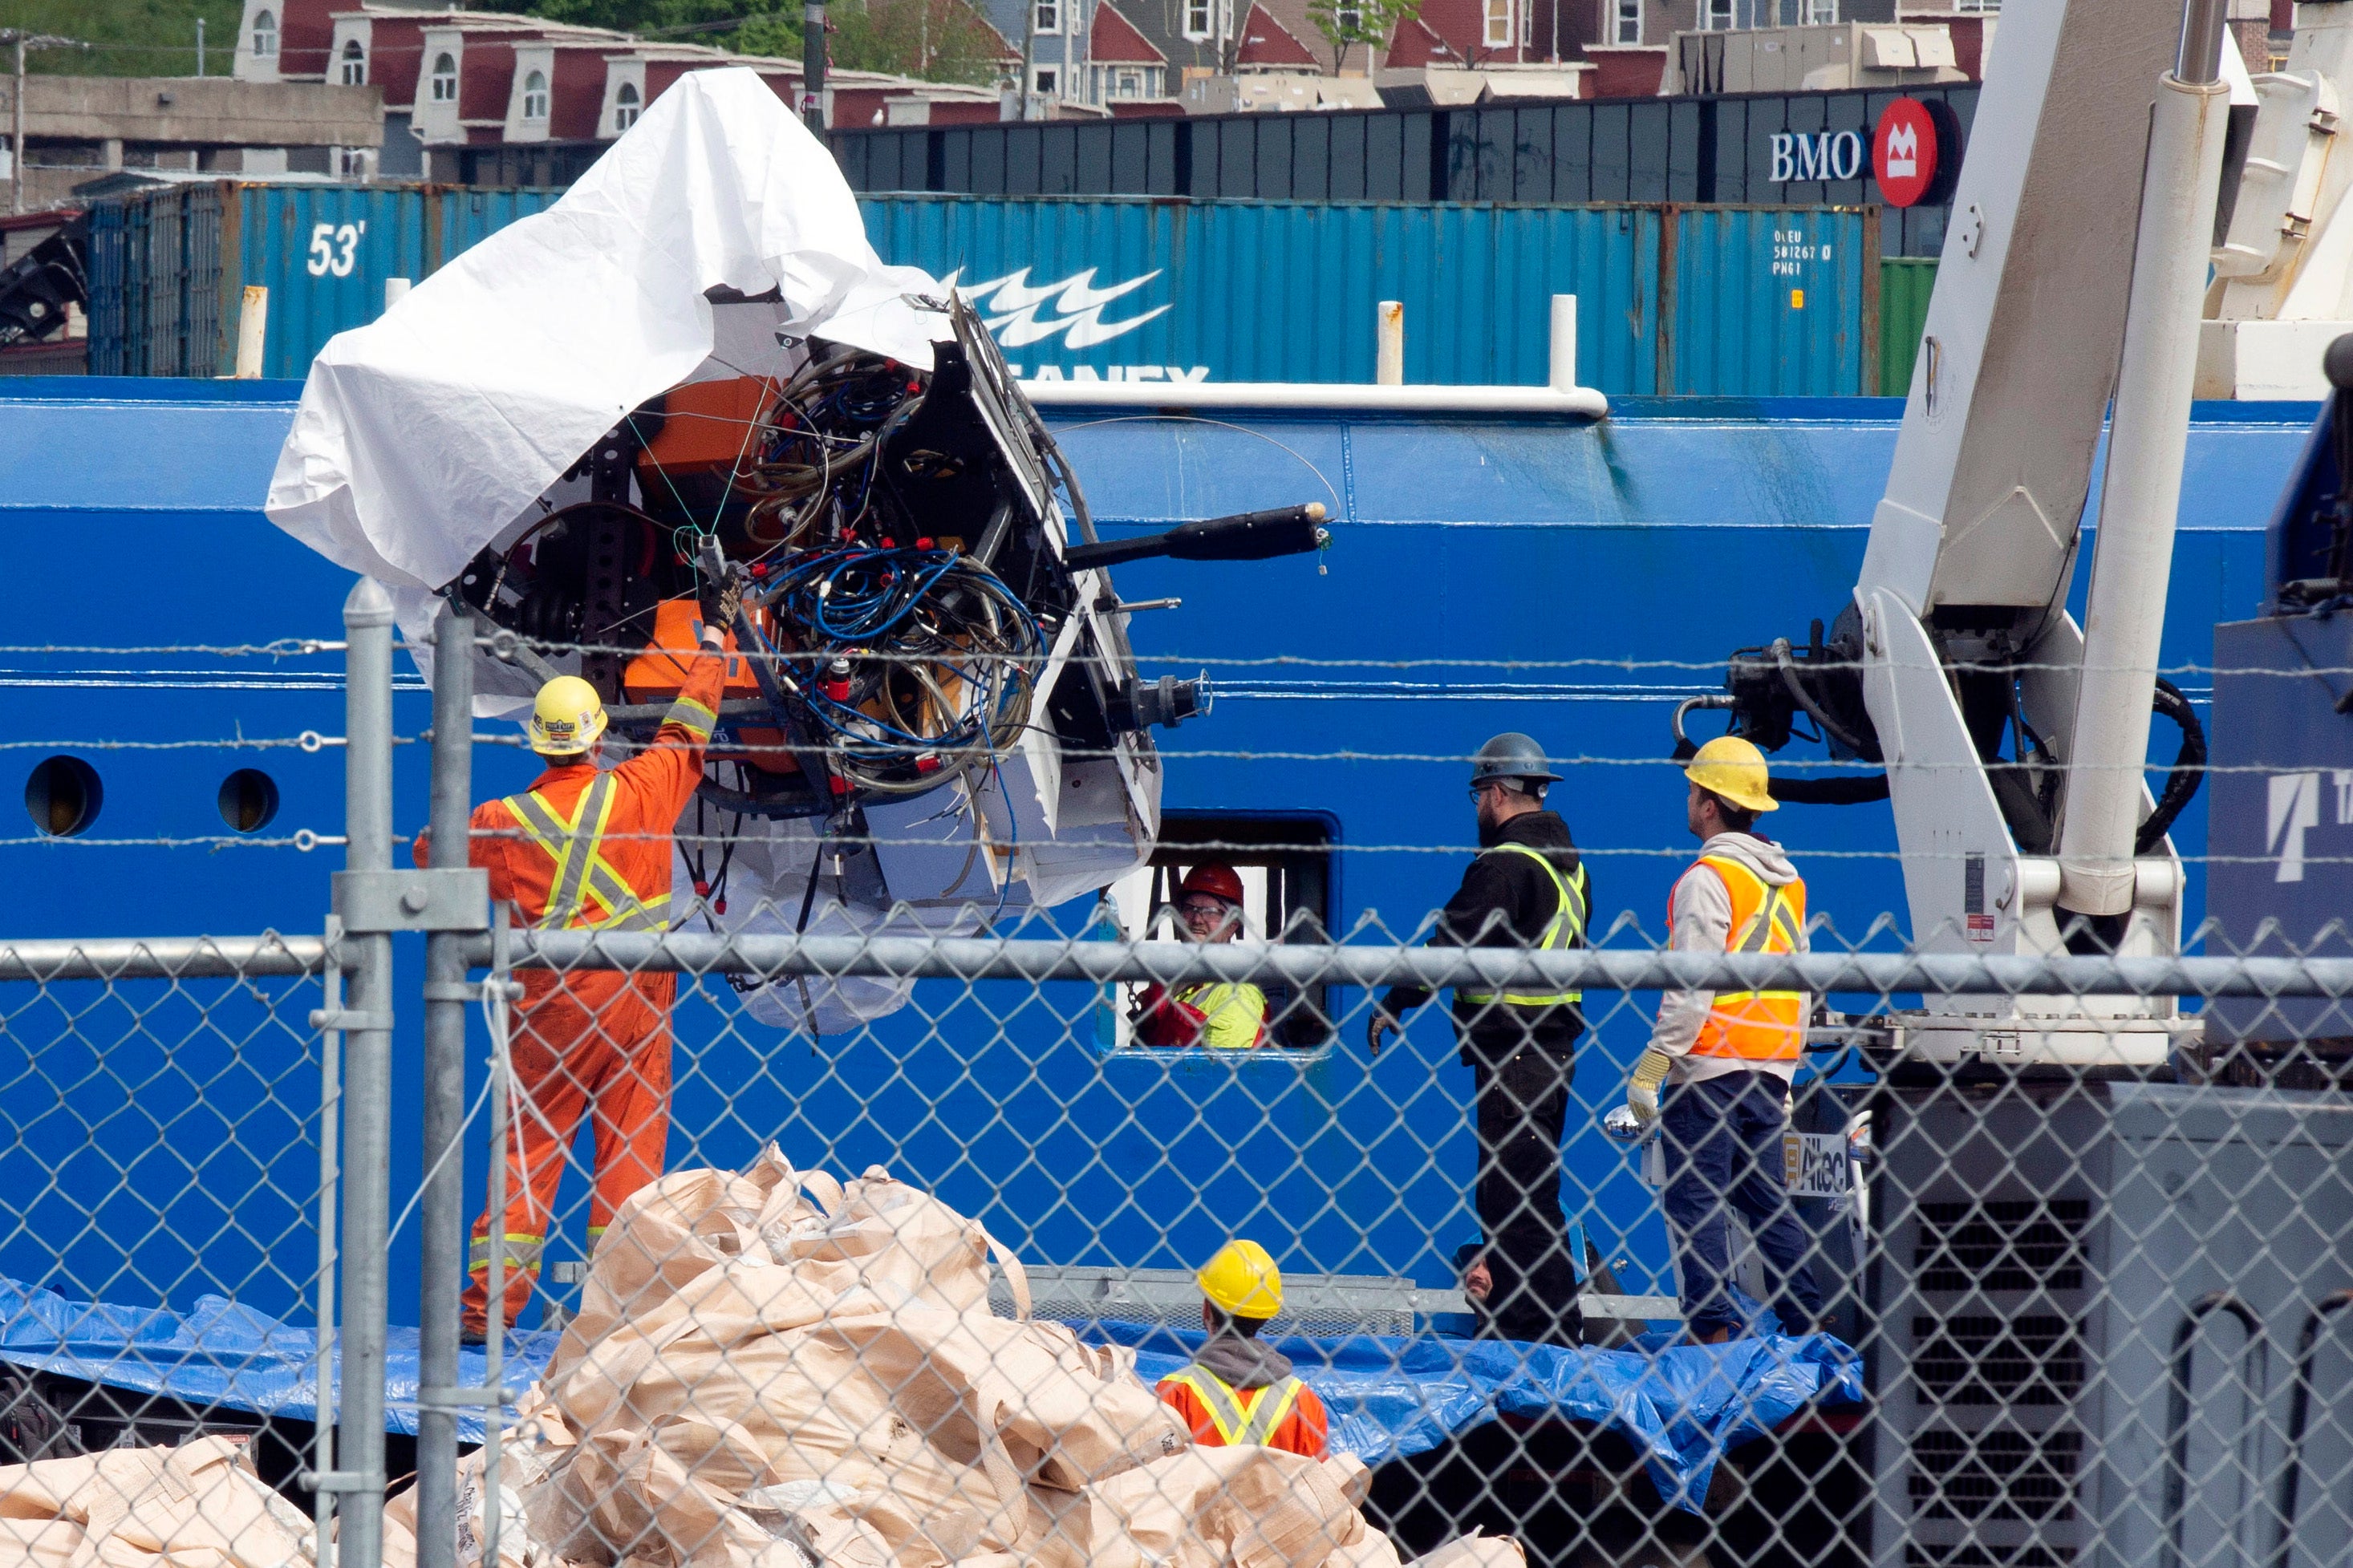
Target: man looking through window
(1222, 1015)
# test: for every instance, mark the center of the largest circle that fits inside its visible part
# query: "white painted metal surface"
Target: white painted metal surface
(2132, 563)
(1583, 403)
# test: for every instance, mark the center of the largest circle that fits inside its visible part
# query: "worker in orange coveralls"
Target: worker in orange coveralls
(1239, 1389)
(585, 847)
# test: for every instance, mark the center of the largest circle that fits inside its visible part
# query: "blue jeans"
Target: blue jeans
(1722, 1139)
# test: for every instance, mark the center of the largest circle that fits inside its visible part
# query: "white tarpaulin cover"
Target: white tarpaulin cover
(423, 434)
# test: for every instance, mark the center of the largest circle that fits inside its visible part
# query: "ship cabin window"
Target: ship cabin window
(1283, 861)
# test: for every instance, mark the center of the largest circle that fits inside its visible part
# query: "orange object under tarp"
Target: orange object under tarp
(710, 426)
(657, 674)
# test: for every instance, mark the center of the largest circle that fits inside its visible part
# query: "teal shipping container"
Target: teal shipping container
(1772, 302)
(1751, 301)
(168, 268)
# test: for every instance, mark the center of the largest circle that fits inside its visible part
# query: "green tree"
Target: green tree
(1348, 23)
(128, 37)
(934, 40)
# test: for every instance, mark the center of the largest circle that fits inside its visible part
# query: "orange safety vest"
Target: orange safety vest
(1284, 1415)
(1756, 1025)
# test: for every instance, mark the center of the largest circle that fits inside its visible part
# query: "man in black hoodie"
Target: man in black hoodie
(1526, 889)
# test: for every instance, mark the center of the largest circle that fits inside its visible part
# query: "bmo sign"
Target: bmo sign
(1905, 152)
(1816, 155)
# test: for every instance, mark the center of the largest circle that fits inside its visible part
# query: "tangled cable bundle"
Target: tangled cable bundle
(917, 661)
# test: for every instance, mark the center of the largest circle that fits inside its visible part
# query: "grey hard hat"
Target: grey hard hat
(1511, 755)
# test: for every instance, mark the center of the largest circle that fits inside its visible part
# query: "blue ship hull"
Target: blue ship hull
(1473, 557)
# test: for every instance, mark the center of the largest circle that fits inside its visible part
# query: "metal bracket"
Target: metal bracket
(341, 1480)
(448, 1398)
(344, 1019)
(472, 990)
(370, 903)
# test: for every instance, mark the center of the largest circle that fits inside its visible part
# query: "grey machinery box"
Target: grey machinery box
(2096, 1302)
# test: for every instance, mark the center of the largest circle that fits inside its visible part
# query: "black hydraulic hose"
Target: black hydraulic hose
(1831, 727)
(2189, 766)
(1829, 791)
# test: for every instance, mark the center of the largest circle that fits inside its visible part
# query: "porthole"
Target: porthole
(63, 796)
(248, 800)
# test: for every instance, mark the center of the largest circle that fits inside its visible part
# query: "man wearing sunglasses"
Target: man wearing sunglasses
(1222, 1015)
(1526, 889)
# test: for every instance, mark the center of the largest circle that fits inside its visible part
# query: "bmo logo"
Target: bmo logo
(1905, 151)
(1816, 155)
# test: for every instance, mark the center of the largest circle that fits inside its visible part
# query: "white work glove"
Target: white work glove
(1642, 1089)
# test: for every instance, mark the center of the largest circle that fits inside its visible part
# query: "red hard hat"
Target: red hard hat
(1218, 881)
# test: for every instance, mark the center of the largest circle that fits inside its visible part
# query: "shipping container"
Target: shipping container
(1905, 285)
(1670, 299)
(1759, 301)
(1125, 290)
(1689, 150)
(1773, 301)
(168, 268)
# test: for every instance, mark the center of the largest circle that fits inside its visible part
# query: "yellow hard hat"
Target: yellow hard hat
(567, 717)
(1735, 769)
(1242, 1281)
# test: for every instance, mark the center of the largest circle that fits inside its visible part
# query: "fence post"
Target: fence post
(367, 1096)
(440, 1206)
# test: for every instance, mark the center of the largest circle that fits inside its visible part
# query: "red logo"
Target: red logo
(1904, 152)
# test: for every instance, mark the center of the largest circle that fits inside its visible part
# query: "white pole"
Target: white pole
(2132, 560)
(200, 45)
(1388, 343)
(1564, 343)
(17, 137)
(396, 290)
(252, 325)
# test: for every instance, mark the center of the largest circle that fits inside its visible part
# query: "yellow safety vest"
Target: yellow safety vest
(1567, 926)
(1251, 1420)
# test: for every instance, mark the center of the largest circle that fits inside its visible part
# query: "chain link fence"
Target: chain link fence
(853, 1246)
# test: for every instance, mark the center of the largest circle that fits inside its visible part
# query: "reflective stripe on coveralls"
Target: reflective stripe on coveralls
(1756, 1025)
(581, 868)
(1567, 926)
(1240, 1425)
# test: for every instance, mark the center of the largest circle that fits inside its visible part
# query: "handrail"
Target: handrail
(2177, 1409)
(2299, 1410)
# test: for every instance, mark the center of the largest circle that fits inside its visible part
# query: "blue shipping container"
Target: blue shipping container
(1764, 304)
(169, 268)
(1138, 290)
(1753, 301)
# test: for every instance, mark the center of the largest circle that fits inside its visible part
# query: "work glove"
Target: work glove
(1382, 1025)
(1642, 1089)
(720, 602)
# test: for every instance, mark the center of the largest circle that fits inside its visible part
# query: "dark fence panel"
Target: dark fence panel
(1701, 151)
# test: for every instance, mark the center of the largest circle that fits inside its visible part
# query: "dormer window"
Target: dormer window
(445, 78)
(535, 96)
(265, 35)
(627, 102)
(352, 65)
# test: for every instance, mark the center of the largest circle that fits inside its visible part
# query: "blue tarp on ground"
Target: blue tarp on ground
(1389, 1398)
